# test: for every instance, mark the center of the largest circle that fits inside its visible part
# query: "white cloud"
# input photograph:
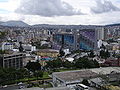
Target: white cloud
(12, 16)
(109, 18)
(103, 6)
(10, 6)
(47, 8)
(83, 5)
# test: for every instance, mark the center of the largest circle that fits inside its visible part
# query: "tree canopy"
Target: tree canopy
(61, 52)
(85, 82)
(85, 63)
(104, 54)
(79, 63)
(57, 63)
(33, 66)
(10, 74)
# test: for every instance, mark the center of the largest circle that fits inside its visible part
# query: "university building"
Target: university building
(14, 60)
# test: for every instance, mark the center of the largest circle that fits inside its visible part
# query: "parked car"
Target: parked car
(4, 86)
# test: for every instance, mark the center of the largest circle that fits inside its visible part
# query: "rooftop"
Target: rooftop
(78, 75)
(106, 70)
(65, 33)
(49, 50)
(11, 53)
(75, 75)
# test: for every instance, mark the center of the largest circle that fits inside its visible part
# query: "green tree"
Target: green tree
(11, 74)
(91, 54)
(2, 35)
(21, 47)
(33, 66)
(2, 75)
(96, 64)
(2, 52)
(85, 82)
(78, 63)
(21, 73)
(38, 74)
(104, 54)
(85, 63)
(61, 52)
(107, 54)
(54, 63)
(68, 64)
(103, 47)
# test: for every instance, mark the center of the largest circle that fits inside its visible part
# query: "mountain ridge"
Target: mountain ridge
(13, 23)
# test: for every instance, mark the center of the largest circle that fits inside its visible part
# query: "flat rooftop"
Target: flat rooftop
(75, 75)
(65, 33)
(11, 54)
(106, 70)
(48, 51)
(78, 75)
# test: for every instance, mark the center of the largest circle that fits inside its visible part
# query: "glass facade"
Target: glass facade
(65, 40)
(87, 39)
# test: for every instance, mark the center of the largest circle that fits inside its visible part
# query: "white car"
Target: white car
(20, 83)
(4, 86)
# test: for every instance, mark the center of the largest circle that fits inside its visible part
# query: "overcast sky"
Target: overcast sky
(87, 12)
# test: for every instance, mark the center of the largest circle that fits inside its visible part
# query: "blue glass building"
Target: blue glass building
(85, 39)
(65, 40)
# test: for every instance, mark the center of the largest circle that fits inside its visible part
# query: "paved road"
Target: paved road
(92, 88)
(12, 87)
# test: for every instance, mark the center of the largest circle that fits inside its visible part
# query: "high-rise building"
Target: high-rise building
(85, 39)
(14, 60)
(88, 38)
(65, 40)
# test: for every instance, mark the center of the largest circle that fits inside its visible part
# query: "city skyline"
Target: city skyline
(68, 12)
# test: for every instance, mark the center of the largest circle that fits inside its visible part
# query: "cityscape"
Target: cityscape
(50, 45)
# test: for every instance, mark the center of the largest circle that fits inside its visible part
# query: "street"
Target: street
(11, 87)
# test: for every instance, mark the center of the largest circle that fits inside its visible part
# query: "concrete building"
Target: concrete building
(20, 39)
(114, 62)
(69, 78)
(98, 83)
(28, 47)
(14, 60)
(48, 52)
(7, 46)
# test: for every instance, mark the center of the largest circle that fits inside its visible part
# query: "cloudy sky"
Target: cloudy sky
(87, 12)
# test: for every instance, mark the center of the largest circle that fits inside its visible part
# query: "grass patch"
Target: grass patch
(46, 75)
